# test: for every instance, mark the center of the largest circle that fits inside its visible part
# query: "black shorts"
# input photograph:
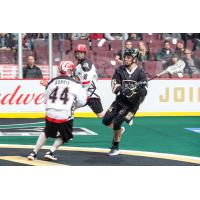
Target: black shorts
(63, 130)
(95, 105)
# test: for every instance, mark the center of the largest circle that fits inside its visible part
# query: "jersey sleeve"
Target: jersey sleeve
(116, 82)
(143, 76)
(81, 97)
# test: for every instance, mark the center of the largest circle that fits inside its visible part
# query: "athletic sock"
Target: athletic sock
(57, 143)
(40, 142)
(115, 144)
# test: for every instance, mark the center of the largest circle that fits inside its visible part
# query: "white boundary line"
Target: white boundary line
(5, 125)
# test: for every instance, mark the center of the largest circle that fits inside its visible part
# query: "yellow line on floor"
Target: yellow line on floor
(189, 159)
(92, 115)
(23, 160)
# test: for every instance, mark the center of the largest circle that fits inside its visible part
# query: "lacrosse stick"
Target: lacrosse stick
(172, 69)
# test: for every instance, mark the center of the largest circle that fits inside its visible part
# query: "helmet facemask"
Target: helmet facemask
(66, 68)
(80, 55)
(133, 54)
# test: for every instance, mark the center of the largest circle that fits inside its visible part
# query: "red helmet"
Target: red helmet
(66, 68)
(81, 48)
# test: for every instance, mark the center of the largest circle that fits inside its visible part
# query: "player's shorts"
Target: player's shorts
(95, 105)
(55, 130)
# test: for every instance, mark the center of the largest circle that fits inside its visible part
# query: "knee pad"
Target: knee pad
(117, 124)
(106, 121)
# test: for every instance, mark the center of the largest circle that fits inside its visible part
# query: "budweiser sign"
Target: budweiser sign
(17, 97)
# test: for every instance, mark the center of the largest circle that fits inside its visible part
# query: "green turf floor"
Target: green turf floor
(156, 134)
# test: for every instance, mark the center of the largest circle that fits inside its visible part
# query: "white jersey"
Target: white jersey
(86, 73)
(63, 94)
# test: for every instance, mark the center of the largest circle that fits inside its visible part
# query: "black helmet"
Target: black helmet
(131, 52)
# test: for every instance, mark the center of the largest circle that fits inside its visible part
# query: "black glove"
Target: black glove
(140, 88)
(127, 92)
(140, 85)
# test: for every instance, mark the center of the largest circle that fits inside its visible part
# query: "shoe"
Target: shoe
(114, 151)
(50, 156)
(32, 156)
(123, 129)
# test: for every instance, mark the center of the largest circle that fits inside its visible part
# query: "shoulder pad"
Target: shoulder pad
(86, 65)
(120, 68)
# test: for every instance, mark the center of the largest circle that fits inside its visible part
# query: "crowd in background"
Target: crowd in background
(160, 47)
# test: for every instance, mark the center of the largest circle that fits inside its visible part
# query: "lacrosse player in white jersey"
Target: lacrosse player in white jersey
(86, 73)
(63, 96)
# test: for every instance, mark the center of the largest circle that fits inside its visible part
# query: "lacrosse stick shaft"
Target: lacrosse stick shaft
(152, 78)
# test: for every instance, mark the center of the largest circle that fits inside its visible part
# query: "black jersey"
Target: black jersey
(122, 75)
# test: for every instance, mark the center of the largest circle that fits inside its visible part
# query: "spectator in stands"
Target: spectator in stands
(79, 36)
(96, 36)
(194, 37)
(6, 41)
(31, 70)
(61, 36)
(196, 41)
(175, 61)
(118, 57)
(38, 35)
(180, 48)
(173, 37)
(144, 54)
(192, 63)
(115, 36)
(135, 36)
(27, 42)
(165, 53)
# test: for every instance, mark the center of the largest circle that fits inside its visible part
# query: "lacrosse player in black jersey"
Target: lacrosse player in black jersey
(128, 83)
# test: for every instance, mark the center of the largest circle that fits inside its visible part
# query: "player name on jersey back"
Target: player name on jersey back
(61, 81)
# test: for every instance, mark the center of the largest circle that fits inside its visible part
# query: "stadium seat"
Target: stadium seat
(109, 72)
(197, 53)
(7, 57)
(135, 44)
(70, 56)
(153, 67)
(150, 37)
(155, 46)
(67, 45)
(189, 44)
(165, 76)
(90, 55)
(40, 48)
(100, 72)
(8, 71)
(45, 71)
(116, 45)
(96, 48)
(195, 75)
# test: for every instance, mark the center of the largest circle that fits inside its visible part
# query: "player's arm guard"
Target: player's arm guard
(141, 88)
(116, 87)
(116, 83)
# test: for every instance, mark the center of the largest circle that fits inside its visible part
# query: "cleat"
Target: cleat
(32, 156)
(114, 151)
(50, 156)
